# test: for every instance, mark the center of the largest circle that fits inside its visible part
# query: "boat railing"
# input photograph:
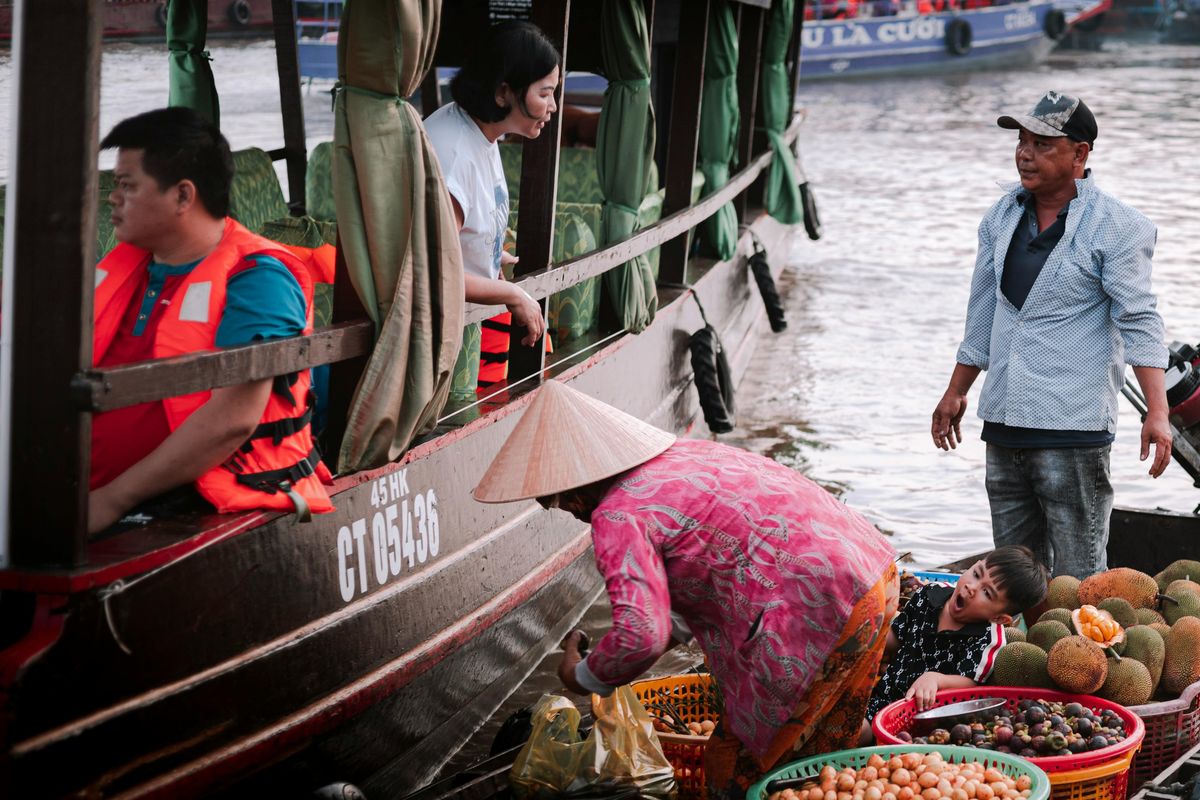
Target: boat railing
(116, 387)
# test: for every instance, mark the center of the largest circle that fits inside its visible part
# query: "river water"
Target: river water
(903, 168)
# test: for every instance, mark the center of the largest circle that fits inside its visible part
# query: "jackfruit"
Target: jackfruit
(1162, 628)
(1063, 615)
(1148, 616)
(1181, 667)
(1182, 583)
(1077, 664)
(1144, 644)
(1128, 683)
(1046, 632)
(1063, 592)
(1121, 610)
(1179, 604)
(1183, 568)
(1021, 664)
(1137, 587)
(1012, 634)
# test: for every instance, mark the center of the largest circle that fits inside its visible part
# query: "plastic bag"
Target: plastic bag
(621, 757)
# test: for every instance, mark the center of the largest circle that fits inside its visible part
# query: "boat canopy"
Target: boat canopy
(719, 122)
(624, 153)
(191, 77)
(396, 227)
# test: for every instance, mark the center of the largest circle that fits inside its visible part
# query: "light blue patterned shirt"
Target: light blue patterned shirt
(1058, 362)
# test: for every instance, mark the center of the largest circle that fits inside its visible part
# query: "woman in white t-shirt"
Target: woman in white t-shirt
(507, 85)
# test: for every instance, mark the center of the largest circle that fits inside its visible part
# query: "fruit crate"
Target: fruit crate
(1095, 775)
(693, 696)
(1014, 766)
(1166, 785)
(1172, 728)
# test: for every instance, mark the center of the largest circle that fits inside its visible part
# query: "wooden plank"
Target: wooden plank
(290, 101)
(577, 270)
(117, 387)
(793, 56)
(684, 133)
(750, 35)
(54, 252)
(344, 375)
(431, 93)
(539, 191)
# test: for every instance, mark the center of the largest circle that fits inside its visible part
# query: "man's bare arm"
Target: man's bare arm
(1156, 429)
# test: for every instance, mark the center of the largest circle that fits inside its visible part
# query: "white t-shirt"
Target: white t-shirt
(475, 178)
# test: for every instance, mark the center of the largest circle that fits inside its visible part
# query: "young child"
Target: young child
(947, 636)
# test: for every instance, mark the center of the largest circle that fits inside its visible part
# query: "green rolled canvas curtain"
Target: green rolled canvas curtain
(624, 153)
(782, 191)
(719, 117)
(191, 78)
(396, 227)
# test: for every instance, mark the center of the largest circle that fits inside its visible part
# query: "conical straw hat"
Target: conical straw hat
(566, 440)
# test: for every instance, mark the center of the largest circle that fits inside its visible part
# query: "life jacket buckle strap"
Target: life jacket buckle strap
(303, 511)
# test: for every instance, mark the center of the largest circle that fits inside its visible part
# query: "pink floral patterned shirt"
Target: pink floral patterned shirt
(762, 564)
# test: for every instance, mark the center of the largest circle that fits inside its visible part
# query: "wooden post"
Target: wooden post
(750, 34)
(431, 93)
(54, 200)
(539, 193)
(793, 57)
(684, 133)
(290, 101)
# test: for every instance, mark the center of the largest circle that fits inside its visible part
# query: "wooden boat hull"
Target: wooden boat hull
(413, 610)
(1141, 539)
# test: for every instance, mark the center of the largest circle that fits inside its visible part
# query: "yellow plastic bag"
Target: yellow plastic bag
(620, 758)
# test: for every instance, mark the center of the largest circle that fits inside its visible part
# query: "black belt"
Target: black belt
(282, 480)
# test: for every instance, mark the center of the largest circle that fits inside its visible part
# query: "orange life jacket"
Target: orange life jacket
(494, 341)
(278, 467)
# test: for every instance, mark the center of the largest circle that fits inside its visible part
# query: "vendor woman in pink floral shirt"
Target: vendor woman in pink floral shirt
(788, 592)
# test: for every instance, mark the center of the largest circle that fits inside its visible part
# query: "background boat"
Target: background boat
(147, 19)
(972, 38)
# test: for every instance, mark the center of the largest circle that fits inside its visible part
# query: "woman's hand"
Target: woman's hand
(527, 313)
(571, 658)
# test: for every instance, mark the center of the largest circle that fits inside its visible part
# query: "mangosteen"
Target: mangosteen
(1077, 745)
(1062, 728)
(1028, 752)
(904, 736)
(1056, 741)
(1055, 720)
(960, 733)
(1024, 704)
(1097, 742)
(1084, 726)
(985, 746)
(1002, 734)
(1038, 743)
(1063, 752)
(1035, 714)
(979, 739)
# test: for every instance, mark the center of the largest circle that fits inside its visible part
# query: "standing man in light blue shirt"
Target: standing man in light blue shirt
(1060, 303)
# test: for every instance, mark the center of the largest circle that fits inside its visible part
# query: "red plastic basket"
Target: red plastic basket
(1172, 728)
(897, 717)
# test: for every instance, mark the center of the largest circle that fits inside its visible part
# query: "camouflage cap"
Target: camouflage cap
(1056, 114)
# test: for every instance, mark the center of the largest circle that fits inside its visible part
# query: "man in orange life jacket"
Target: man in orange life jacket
(185, 278)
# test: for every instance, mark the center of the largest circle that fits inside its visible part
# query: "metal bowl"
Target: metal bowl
(954, 713)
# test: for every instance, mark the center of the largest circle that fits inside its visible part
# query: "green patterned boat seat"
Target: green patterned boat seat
(256, 197)
(318, 183)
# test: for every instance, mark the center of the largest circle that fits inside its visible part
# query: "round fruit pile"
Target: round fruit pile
(668, 724)
(1036, 729)
(910, 776)
(1123, 635)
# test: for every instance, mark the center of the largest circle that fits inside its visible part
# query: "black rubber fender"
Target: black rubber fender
(812, 220)
(160, 15)
(713, 378)
(766, 287)
(959, 36)
(239, 12)
(1055, 24)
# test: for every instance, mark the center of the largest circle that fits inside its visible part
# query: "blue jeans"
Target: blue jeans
(1056, 502)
